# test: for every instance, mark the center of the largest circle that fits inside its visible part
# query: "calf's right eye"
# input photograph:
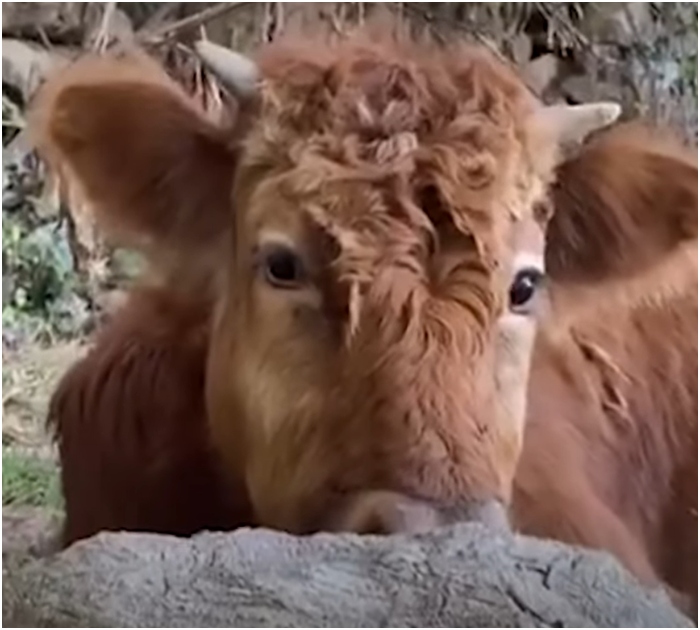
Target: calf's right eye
(282, 267)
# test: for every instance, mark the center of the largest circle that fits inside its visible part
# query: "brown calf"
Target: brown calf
(367, 314)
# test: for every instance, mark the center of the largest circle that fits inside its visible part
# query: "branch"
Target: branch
(168, 31)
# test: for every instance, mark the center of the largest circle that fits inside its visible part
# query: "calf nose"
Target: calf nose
(490, 512)
(385, 512)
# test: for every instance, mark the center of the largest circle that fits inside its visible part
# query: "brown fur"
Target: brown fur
(415, 175)
(610, 453)
(131, 427)
(402, 174)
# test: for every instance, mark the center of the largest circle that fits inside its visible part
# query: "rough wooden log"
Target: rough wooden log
(459, 577)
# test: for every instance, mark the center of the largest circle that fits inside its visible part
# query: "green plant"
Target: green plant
(40, 262)
(39, 285)
(29, 480)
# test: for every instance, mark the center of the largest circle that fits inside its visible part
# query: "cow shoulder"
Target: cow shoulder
(130, 423)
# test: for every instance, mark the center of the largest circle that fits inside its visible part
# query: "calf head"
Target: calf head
(371, 239)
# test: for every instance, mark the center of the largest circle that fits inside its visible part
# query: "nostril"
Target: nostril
(384, 512)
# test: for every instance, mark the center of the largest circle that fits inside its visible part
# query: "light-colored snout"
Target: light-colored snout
(386, 512)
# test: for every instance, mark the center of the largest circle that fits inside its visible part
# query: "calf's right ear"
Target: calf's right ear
(157, 174)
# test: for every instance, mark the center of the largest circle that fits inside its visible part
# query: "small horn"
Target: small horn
(236, 71)
(572, 124)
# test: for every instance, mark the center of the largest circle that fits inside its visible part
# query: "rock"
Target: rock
(25, 65)
(460, 577)
(58, 20)
(539, 73)
(521, 49)
(622, 23)
(108, 25)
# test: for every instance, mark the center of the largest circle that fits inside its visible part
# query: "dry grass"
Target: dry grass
(29, 376)
(29, 467)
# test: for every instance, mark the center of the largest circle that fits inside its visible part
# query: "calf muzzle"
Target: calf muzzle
(386, 512)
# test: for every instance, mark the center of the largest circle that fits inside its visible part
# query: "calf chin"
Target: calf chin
(386, 512)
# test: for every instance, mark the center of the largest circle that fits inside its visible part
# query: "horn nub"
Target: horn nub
(572, 124)
(236, 72)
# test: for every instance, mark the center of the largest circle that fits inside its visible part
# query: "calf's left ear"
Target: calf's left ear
(155, 171)
(625, 204)
(624, 201)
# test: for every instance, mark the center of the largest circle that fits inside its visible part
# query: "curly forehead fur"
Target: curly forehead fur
(437, 135)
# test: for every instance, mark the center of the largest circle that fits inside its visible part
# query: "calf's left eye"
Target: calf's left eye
(524, 288)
